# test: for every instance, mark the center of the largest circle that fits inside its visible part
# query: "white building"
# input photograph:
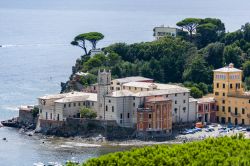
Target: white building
(61, 106)
(120, 105)
(162, 31)
(116, 84)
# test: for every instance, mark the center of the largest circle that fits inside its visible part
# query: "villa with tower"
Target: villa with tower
(232, 102)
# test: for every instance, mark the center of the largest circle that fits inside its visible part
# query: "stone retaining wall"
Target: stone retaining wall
(85, 128)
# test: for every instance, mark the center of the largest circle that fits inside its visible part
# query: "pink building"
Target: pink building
(206, 110)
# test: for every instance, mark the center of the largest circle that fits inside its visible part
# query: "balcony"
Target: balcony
(144, 110)
(235, 115)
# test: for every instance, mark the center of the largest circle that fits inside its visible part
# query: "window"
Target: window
(124, 87)
(166, 95)
(217, 108)
(184, 109)
(175, 110)
(248, 101)
(149, 116)
(184, 101)
(223, 85)
(84, 103)
(69, 105)
(129, 88)
(175, 101)
(106, 108)
(223, 101)
(109, 101)
(217, 85)
(236, 111)
(74, 104)
(223, 108)
(216, 93)
(79, 104)
(238, 86)
(135, 88)
(223, 94)
(229, 109)
(133, 104)
(243, 110)
(134, 98)
(120, 116)
(64, 105)
(92, 103)
(184, 94)
(117, 88)
(50, 115)
(229, 120)
(231, 86)
(128, 116)
(118, 83)
(175, 94)
(113, 109)
(149, 125)
(243, 122)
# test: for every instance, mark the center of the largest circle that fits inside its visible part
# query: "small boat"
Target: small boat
(38, 164)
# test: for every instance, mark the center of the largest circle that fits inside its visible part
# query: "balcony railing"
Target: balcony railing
(235, 115)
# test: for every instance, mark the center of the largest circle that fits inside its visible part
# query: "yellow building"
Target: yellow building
(233, 103)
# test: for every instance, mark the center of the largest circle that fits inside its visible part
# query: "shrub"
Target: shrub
(212, 151)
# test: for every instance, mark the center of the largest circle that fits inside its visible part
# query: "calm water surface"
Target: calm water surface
(36, 55)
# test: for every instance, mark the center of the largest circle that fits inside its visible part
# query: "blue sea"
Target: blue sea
(36, 54)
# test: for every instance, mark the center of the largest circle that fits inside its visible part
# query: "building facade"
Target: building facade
(162, 31)
(206, 110)
(232, 102)
(181, 111)
(61, 106)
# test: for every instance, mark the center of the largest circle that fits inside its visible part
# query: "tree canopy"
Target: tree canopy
(173, 59)
(212, 151)
(92, 37)
(87, 113)
(189, 24)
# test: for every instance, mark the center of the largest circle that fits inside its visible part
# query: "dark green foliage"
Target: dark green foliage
(172, 59)
(213, 54)
(87, 113)
(88, 80)
(197, 70)
(246, 68)
(233, 54)
(195, 92)
(213, 151)
(35, 111)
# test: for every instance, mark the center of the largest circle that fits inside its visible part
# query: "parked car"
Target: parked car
(197, 129)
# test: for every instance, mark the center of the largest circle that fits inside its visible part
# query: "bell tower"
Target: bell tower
(104, 81)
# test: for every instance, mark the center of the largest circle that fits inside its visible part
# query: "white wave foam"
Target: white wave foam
(82, 144)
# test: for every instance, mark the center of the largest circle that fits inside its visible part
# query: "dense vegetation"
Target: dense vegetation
(213, 151)
(189, 58)
(87, 113)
